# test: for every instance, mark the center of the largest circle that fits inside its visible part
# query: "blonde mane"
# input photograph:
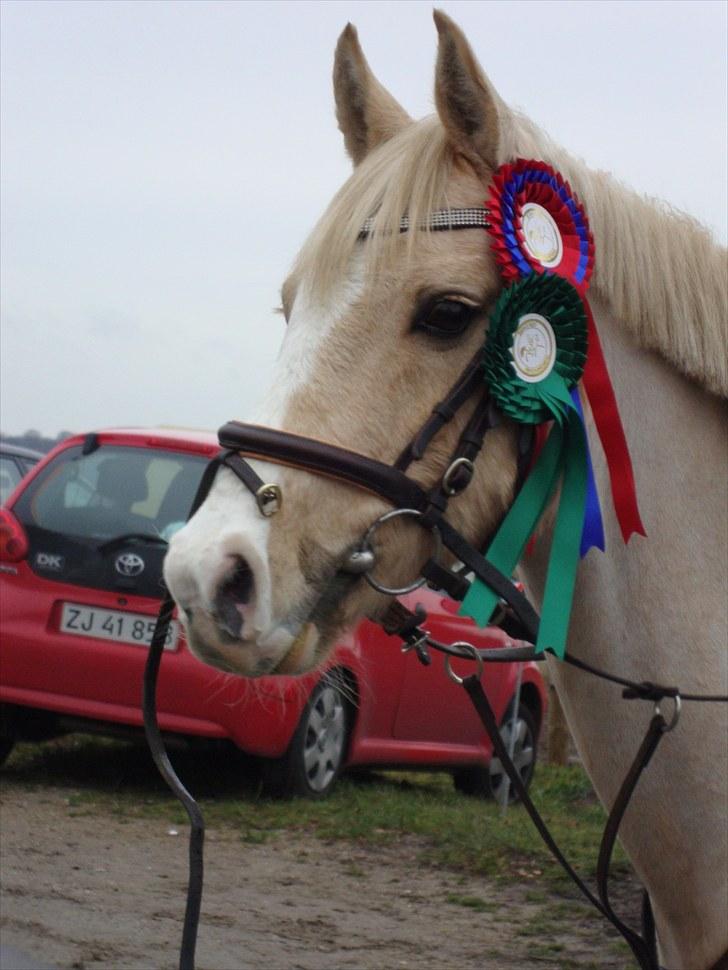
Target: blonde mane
(659, 270)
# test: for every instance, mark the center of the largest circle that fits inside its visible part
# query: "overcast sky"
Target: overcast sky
(163, 161)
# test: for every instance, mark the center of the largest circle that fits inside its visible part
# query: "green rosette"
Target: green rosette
(535, 298)
(533, 358)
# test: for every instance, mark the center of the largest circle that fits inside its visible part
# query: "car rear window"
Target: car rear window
(114, 490)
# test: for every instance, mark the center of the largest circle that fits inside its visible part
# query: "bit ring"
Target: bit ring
(366, 544)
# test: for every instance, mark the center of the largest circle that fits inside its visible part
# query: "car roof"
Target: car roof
(20, 452)
(186, 439)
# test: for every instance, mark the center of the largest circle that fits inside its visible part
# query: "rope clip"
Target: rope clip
(675, 713)
(468, 649)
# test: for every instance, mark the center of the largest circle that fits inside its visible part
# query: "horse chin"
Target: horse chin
(291, 646)
(336, 609)
(335, 606)
(245, 657)
(303, 654)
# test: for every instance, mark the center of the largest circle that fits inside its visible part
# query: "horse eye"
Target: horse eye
(445, 318)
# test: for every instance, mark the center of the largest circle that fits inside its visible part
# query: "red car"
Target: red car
(82, 541)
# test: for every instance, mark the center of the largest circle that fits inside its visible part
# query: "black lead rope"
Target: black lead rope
(159, 754)
(643, 949)
(161, 760)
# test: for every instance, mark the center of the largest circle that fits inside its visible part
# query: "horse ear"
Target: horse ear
(367, 113)
(466, 102)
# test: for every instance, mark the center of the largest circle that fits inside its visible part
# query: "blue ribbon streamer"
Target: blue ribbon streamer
(593, 530)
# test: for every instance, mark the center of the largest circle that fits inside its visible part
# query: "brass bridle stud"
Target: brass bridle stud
(270, 499)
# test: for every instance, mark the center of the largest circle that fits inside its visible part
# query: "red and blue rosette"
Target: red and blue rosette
(538, 224)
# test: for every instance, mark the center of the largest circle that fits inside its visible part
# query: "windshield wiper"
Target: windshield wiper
(132, 537)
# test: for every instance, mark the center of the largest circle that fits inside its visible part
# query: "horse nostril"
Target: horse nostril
(239, 585)
(234, 592)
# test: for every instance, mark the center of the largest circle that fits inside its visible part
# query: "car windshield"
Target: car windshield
(113, 491)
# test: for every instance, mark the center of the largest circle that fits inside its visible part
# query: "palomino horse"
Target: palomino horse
(378, 330)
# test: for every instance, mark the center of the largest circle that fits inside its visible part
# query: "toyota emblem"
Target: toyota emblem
(129, 564)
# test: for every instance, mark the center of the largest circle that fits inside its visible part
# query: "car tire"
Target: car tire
(488, 781)
(317, 751)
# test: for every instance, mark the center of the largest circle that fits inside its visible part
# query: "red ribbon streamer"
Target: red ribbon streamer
(604, 408)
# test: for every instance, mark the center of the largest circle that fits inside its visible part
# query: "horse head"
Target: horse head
(379, 326)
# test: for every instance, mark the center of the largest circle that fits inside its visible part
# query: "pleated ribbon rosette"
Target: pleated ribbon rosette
(538, 225)
(541, 342)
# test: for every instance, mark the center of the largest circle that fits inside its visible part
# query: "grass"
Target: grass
(468, 834)
(472, 902)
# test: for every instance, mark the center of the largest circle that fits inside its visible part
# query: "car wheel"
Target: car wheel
(490, 781)
(317, 750)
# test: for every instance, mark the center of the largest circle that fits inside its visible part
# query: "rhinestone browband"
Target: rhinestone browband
(442, 219)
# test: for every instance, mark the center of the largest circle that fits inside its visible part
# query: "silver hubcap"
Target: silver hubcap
(522, 757)
(325, 736)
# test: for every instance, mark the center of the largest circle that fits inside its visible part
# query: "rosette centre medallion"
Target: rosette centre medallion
(534, 348)
(541, 235)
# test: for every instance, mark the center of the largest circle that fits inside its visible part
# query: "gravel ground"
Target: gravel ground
(89, 889)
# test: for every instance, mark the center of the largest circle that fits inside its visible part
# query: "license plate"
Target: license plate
(116, 625)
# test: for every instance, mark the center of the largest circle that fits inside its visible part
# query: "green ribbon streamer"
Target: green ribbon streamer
(564, 456)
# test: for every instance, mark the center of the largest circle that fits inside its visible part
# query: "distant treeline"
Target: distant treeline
(34, 439)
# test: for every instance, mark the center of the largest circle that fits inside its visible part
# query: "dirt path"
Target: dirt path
(98, 891)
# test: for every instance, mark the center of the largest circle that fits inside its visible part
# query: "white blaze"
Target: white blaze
(229, 523)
